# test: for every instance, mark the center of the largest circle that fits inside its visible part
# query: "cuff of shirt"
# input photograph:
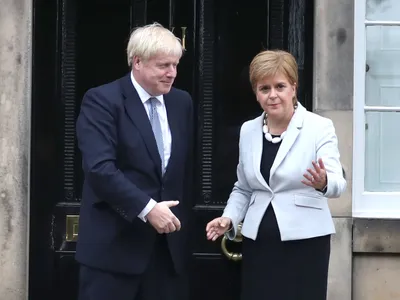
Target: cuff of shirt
(146, 210)
(323, 191)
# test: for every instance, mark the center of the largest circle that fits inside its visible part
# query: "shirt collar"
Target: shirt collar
(143, 95)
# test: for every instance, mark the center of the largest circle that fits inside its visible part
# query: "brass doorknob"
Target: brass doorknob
(238, 239)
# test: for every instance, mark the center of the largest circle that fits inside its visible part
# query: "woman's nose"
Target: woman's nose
(272, 94)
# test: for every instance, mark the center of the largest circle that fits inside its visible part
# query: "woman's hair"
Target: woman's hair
(150, 40)
(270, 62)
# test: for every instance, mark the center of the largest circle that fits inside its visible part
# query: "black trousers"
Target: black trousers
(290, 270)
(159, 281)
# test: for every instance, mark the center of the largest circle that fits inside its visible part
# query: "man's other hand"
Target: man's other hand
(162, 218)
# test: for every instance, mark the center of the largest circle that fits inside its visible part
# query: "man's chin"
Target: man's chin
(165, 89)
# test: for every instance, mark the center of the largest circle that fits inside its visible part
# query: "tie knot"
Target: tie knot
(153, 100)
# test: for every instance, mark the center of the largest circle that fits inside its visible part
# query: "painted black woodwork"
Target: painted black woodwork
(81, 44)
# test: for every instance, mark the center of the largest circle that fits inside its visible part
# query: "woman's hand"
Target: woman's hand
(217, 227)
(316, 178)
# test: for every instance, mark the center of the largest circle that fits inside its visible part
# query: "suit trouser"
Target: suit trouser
(158, 282)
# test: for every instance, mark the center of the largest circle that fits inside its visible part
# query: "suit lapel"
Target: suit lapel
(173, 121)
(257, 147)
(137, 113)
(290, 138)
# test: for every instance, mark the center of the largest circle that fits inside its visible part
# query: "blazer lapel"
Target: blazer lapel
(291, 135)
(137, 113)
(257, 147)
(173, 121)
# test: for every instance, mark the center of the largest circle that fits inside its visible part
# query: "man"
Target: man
(135, 138)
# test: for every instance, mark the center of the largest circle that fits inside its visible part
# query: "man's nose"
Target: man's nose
(171, 72)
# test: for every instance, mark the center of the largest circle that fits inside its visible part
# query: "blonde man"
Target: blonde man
(135, 138)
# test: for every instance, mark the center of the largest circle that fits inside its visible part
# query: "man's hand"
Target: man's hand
(162, 219)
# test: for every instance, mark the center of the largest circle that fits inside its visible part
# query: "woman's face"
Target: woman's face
(275, 95)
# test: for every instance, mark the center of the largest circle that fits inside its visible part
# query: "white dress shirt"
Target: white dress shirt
(166, 133)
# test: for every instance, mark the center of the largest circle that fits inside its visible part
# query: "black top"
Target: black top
(268, 156)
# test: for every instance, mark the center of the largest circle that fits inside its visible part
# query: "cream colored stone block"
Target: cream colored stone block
(333, 54)
(340, 266)
(15, 98)
(343, 121)
(376, 277)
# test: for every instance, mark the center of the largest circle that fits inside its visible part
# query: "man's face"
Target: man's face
(157, 74)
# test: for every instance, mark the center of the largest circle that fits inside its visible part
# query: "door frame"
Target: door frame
(289, 30)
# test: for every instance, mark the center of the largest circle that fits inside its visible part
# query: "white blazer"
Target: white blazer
(301, 211)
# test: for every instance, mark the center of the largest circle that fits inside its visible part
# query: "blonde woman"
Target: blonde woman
(288, 166)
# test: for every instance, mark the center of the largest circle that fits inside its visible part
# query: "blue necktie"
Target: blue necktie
(156, 125)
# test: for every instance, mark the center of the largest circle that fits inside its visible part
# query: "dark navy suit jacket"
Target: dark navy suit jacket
(122, 169)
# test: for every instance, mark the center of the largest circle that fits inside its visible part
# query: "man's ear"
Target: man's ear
(136, 62)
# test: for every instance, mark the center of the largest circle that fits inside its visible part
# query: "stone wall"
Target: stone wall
(15, 96)
(333, 98)
(365, 260)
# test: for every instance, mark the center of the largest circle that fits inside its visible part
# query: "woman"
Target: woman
(288, 167)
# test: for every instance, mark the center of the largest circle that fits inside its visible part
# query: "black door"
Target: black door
(81, 44)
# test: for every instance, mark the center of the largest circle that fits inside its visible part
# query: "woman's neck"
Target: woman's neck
(277, 126)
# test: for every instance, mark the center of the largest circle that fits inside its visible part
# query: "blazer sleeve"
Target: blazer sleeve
(239, 199)
(327, 149)
(97, 140)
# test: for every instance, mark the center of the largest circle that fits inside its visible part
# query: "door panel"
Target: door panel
(230, 34)
(45, 182)
(82, 44)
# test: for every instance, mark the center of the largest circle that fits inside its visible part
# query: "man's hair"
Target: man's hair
(150, 40)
